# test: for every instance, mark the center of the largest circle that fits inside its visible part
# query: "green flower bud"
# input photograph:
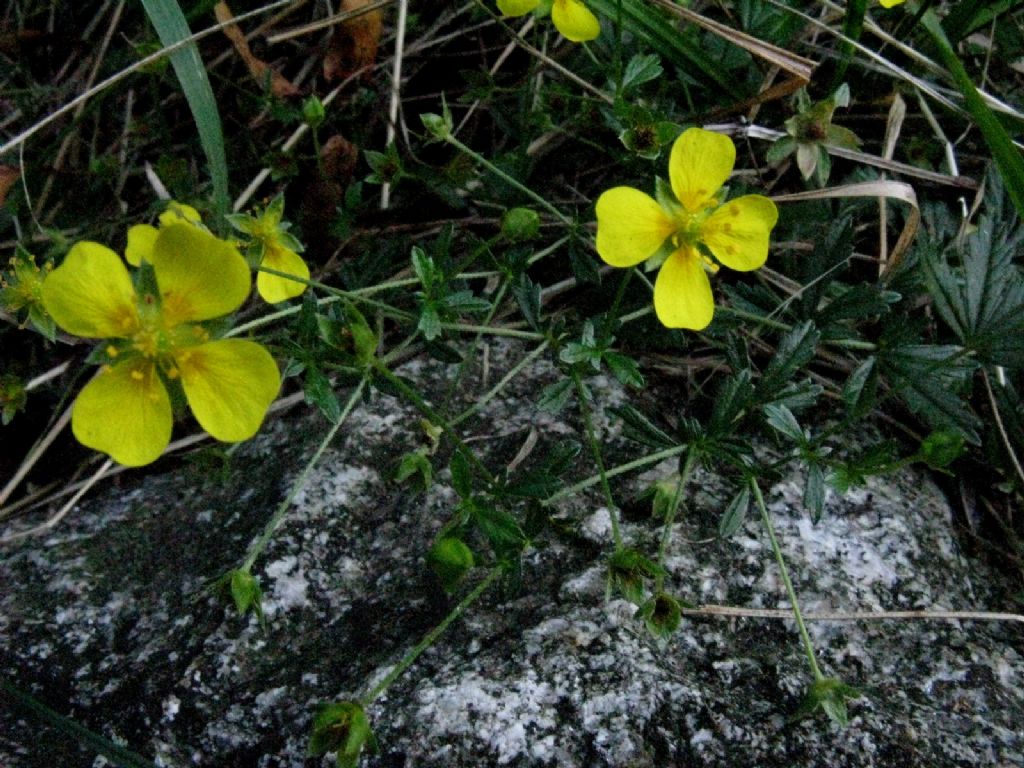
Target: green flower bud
(313, 111)
(451, 560)
(520, 224)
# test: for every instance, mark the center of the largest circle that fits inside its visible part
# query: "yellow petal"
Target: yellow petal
(698, 166)
(200, 276)
(274, 289)
(140, 244)
(631, 226)
(516, 7)
(124, 412)
(91, 294)
(890, 3)
(178, 213)
(575, 21)
(229, 385)
(682, 292)
(737, 232)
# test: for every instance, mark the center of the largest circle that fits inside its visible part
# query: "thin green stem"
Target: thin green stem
(278, 517)
(606, 329)
(804, 636)
(670, 516)
(495, 304)
(622, 469)
(431, 636)
(273, 317)
(595, 448)
(386, 308)
(512, 333)
(509, 180)
(516, 369)
(423, 407)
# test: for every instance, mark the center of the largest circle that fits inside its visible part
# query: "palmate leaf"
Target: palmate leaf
(929, 378)
(983, 302)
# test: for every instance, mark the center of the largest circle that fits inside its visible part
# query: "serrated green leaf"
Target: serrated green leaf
(527, 294)
(319, 392)
(731, 401)
(860, 301)
(465, 301)
(781, 419)
(430, 323)
(814, 490)
(861, 388)
(424, 268)
(625, 369)
(984, 302)
(555, 396)
(930, 379)
(640, 69)
(795, 350)
(734, 515)
(500, 528)
(640, 429)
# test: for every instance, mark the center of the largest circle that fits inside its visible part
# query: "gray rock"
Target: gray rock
(108, 619)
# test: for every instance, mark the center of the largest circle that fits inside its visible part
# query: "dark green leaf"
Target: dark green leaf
(319, 392)
(661, 615)
(527, 294)
(735, 513)
(733, 398)
(983, 304)
(640, 429)
(413, 462)
(246, 592)
(430, 322)
(795, 350)
(625, 369)
(641, 69)
(783, 420)
(930, 379)
(555, 396)
(861, 388)
(940, 449)
(857, 302)
(462, 474)
(501, 529)
(814, 491)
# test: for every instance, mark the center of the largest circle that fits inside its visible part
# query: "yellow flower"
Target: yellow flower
(571, 17)
(890, 3)
(142, 236)
(274, 247)
(157, 340)
(680, 233)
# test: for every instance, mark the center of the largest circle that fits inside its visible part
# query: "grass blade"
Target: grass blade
(171, 27)
(1006, 155)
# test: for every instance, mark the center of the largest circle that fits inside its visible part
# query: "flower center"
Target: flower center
(162, 343)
